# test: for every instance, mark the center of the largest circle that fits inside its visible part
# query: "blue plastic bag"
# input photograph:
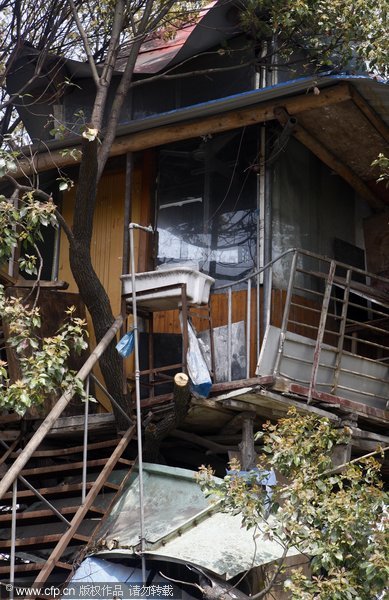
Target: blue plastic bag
(125, 346)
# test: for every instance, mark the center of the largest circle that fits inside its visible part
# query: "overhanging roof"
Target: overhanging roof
(344, 119)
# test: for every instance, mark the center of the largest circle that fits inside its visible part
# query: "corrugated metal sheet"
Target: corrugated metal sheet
(181, 525)
(376, 93)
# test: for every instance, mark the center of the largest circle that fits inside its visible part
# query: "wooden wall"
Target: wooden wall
(107, 250)
(107, 239)
(167, 322)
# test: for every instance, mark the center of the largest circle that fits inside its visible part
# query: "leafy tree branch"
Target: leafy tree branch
(336, 515)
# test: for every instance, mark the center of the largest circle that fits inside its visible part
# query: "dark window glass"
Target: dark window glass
(207, 217)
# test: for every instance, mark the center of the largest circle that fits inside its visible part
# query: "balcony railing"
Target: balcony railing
(325, 326)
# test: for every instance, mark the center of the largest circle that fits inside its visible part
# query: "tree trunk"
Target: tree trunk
(90, 287)
(156, 432)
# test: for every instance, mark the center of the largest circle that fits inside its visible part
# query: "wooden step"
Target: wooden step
(29, 567)
(42, 540)
(70, 451)
(74, 466)
(58, 490)
(43, 514)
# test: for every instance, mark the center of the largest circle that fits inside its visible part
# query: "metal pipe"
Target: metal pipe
(28, 485)
(43, 499)
(261, 227)
(85, 444)
(286, 315)
(261, 84)
(320, 335)
(111, 398)
(229, 334)
(268, 303)
(257, 272)
(55, 261)
(267, 238)
(13, 538)
(149, 229)
(127, 212)
(248, 329)
(343, 322)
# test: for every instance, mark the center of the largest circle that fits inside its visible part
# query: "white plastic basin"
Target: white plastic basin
(151, 296)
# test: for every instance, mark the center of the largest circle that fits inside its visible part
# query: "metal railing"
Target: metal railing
(335, 309)
(251, 286)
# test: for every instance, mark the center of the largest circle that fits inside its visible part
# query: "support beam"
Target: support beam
(370, 114)
(248, 456)
(192, 128)
(317, 148)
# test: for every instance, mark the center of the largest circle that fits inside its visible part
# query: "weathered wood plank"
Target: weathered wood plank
(59, 490)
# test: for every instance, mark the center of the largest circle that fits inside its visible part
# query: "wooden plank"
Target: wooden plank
(226, 386)
(198, 440)
(163, 399)
(28, 567)
(370, 412)
(347, 132)
(59, 490)
(24, 568)
(6, 279)
(233, 119)
(42, 540)
(70, 451)
(373, 436)
(74, 466)
(10, 418)
(235, 424)
(75, 424)
(40, 514)
(109, 508)
(82, 511)
(51, 285)
(10, 435)
(263, 400)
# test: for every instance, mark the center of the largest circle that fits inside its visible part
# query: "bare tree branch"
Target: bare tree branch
(85, 42)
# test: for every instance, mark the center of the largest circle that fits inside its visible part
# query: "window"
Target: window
(207, 217)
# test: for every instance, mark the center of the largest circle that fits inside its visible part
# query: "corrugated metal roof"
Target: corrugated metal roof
(213, 24)
(375, 92)
(183, 526)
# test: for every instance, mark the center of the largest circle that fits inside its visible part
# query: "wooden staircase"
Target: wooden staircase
(53, 493)
(46, 546)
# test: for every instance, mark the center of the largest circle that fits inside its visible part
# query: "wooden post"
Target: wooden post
(248, 456)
